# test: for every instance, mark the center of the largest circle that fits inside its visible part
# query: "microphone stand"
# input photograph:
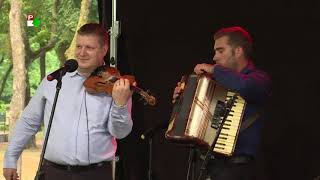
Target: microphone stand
(150, 158)
(40, 173)
(149, 134)
(191, 172)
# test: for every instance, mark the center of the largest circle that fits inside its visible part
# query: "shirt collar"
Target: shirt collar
(74, 74)
(248, 68)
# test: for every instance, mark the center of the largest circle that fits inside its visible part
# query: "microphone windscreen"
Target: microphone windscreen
(71, 65)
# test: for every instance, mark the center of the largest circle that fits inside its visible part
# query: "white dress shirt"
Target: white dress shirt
(84, 128)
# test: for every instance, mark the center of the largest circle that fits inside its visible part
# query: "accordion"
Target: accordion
(198, 111)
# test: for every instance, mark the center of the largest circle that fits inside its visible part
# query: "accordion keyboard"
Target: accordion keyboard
(228, 135)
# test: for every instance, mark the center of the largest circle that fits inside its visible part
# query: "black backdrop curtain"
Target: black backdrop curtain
(162, 40)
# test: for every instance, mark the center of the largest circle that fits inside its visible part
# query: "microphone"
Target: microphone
(69, 66)
(150, 132)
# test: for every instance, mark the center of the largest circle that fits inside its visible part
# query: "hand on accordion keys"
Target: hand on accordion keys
(178, 89)
(198, 69)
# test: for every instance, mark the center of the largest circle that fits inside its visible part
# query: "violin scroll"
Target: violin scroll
(149, 99)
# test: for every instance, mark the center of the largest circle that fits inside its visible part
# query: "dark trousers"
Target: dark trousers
(229, 169)
(96, 172)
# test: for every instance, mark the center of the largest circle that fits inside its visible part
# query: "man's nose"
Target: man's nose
(82, 52)
(214, 59)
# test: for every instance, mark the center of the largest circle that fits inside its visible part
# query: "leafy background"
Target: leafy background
(68, 14)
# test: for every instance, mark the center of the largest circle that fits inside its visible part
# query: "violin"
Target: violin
(103, 79)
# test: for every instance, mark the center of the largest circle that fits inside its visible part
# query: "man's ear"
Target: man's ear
(239, 51)
(105, 49)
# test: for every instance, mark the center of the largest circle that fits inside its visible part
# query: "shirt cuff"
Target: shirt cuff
(10, 162)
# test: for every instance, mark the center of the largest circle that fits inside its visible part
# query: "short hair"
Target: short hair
(97, 30)
(237, 36)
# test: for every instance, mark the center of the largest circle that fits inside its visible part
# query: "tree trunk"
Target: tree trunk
(2, 59)
(42, 64)
(62, 47)
(1, 2)
(4, 80)
(32, 141)
(17, 103)
(83, 19)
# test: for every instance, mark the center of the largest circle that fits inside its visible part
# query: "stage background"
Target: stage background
(162, 40)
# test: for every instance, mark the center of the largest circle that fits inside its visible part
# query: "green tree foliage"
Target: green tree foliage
(5, 54)
(5, 48)
(7, 91)
(67, 19)
(34, 71)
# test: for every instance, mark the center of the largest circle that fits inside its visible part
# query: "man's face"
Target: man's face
(224, 53)
(89, 52)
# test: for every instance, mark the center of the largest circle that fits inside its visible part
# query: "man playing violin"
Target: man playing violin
(234, 69)
(82, 140)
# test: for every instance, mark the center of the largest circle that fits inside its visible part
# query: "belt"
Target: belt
(77, 167)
